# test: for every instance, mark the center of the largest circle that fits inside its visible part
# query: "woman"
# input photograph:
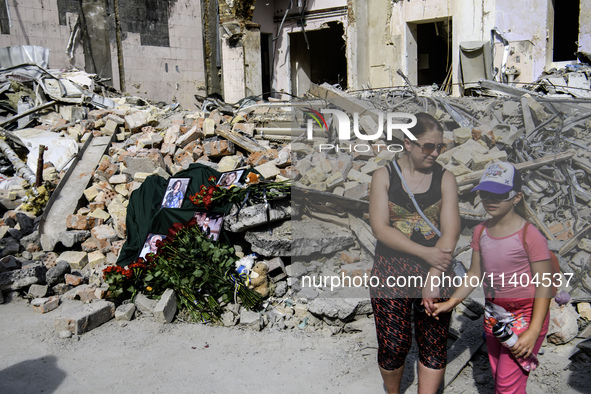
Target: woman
(407, 248)
(150, 245)
(174, 198)
(228, 180)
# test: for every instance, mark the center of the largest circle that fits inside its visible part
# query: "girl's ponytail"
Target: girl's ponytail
(520, 209)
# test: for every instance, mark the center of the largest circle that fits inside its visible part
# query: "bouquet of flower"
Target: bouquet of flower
(118, 279)
(255, 191)
(202, 273)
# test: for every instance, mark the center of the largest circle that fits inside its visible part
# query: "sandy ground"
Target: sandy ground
(148, 357)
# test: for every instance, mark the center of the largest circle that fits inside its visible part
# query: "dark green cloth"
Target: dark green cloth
(145, 216)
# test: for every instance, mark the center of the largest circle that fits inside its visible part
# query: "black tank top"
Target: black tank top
(403, 214)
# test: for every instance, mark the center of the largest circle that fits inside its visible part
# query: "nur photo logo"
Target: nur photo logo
(349, 131)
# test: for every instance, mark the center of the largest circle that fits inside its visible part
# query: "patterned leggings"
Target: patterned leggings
(393, 326)
(392, 312)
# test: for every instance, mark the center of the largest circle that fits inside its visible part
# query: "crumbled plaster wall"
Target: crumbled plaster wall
(393, 46)
(357, 47)
(526, 20)
(166, 72)
(162, 41)
(40, 22)
(282, 79)
(585, 26)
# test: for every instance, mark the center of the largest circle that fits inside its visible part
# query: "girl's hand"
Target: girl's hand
(525, 344)
(438, 258)
(430, 296)
(441, 307)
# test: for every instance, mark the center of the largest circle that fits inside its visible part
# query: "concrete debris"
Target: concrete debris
(166, 308)
(80, 318)
(322, 232)
(125, 312)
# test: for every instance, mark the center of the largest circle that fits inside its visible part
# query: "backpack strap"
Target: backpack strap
(523, 237)
(553, 261)
(484, 225)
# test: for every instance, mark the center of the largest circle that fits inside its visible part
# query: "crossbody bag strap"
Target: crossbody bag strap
(414, 201)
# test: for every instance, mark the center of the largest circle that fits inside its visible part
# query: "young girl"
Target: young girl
(513, 286)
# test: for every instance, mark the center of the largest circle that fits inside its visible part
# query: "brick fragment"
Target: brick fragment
(103, 236)
(77, 260)
(218, 148)
(44, 305)
(73, 280)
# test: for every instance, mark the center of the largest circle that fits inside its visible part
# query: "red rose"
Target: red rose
(191, 222)
(208, 202)
(211, 190)
(174, 229)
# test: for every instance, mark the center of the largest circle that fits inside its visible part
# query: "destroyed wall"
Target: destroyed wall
(585, 28)
(162, 38)
(317, 15)
(528, 26)
(42, 23)
(178, 66)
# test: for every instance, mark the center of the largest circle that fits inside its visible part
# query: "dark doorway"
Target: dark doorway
(566, 29)
(434, 56)
(321, 59)
(266, 64)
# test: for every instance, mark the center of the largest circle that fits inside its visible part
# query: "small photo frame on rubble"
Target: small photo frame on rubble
(230, 178)
(210, 224)
(175, 193)
(150, 244)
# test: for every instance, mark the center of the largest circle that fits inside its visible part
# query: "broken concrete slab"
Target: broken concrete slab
(38, 291)
(313, 236)
(145, 305)
(65, 198)
(166, 308)
(251, 319)
(80, 318)
(255, 215)
(336, 310)
(24, 277)
(125, 312)
(76, 260)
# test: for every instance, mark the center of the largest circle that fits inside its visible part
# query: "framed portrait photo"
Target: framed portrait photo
(175, 192)
(150, 244)
(210, 224)
(230, 178)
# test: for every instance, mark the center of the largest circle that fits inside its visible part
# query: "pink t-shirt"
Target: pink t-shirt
(506, 264)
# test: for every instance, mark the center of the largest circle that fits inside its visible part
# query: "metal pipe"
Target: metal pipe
(39, 175)
(23, 114)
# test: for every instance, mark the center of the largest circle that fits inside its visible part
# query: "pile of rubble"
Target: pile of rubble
(322, 233)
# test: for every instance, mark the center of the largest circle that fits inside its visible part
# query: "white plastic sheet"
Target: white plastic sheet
(60, 149)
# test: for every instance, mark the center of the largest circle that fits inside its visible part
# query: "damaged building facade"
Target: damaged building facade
(161, 43)
(171, 50)
(359, 44)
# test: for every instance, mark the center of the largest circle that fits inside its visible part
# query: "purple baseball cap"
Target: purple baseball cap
(500, 178)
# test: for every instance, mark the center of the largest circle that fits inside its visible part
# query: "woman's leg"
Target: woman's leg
(392, 379)
(393, 328)
(431, 336)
